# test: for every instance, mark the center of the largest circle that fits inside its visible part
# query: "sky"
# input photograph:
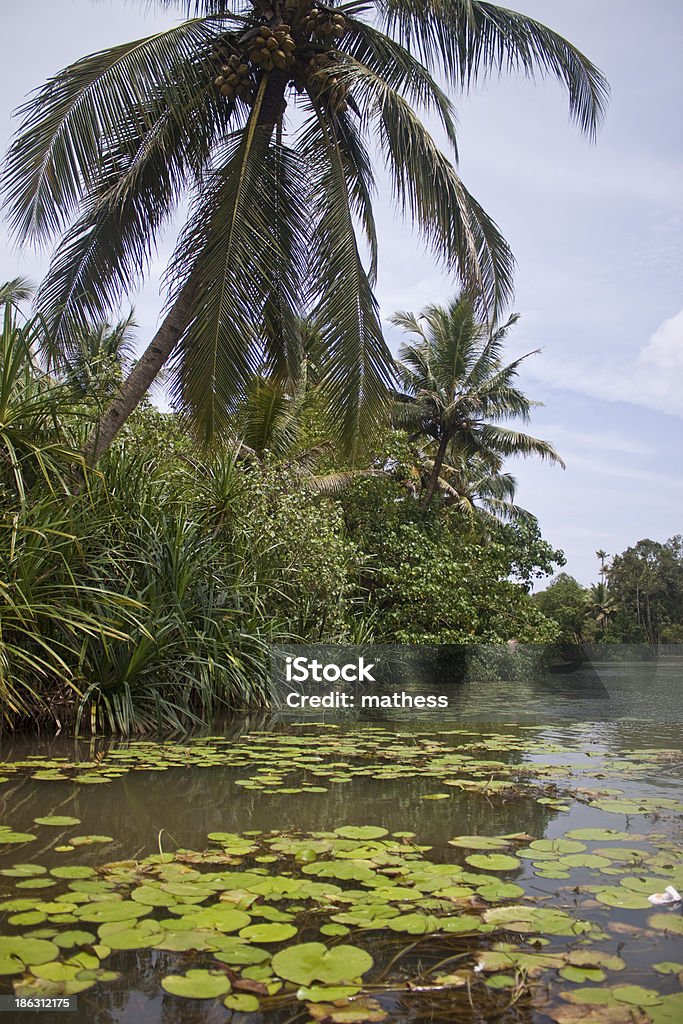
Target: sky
(596, 229)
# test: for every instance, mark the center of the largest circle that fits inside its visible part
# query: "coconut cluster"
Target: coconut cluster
(328, 85)
(273, 48)
(306, 58)
(234, 80)
(324, 25)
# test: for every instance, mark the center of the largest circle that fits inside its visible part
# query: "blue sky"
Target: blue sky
(596, 229)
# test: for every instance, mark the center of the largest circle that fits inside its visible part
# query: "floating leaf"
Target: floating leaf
(196, 984)
(666, 922)
(268, 932)
(312, 961)
(242, 1002)
(493, 861)
(636, 995)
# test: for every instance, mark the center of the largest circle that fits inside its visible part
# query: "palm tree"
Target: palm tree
(601, 606)
(110, 147)
(38, 414)
(457, 388)
(98, 357)
(603, 556)
(477, 485)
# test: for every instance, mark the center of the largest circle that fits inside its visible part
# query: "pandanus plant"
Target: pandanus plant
(198, 117)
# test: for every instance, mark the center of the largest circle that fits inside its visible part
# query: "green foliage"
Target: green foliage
(566, 601)
(436, 578)
(646, 584)
(458, 391)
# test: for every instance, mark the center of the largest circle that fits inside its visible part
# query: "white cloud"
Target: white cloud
(651, 376)
(664, 347)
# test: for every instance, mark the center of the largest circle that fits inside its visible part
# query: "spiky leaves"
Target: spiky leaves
(428, 189)
(91, 112)
(109, 147)
(155, 152)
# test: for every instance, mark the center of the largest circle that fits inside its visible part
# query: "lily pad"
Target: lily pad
(268, 932)
(197, 984)
(57, 820)
(312, 961)
(493, 861)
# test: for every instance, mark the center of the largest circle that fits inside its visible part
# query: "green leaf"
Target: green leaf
(312, 961)
(196, 984)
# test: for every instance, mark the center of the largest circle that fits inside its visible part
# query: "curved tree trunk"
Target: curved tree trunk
(141, 377)
(430, 490)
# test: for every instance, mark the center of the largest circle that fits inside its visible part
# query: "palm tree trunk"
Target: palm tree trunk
(430, 490)
(141, 377)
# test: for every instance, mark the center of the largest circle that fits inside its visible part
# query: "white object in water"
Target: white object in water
(670, 895)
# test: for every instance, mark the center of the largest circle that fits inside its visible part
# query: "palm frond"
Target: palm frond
(515, 442)
(93, 109)
(248, 277)
(469, 39)
(427, 187)
(358, 363)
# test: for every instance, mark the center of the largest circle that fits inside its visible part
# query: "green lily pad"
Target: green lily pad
(57, 820)
(667, 967)
(242, 1002)
(557, 846)
(361, 832)
(8, 836)
(268, 932)
(29, 951)
(666, 922)
(312, 961)
(197, 984)
(479, 842)
(74, 871)
(635, 995)
(74, 937)
(105, 911)
(23, 871)
(617, 896)
(493, 861)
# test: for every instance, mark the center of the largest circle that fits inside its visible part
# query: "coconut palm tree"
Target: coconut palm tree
(260, 118)
(601, 606)
(477, 485)
(457, 389)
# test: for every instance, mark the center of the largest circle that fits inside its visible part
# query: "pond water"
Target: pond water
(490, 863)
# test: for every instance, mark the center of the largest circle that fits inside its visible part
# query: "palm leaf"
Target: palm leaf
(91, 109)
(358, 362)
(427, 187)
(248, 276)
(469, 39)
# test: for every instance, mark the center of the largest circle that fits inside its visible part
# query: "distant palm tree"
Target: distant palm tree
(603, 556)
(601, 606)
(113, 145)
(98, 358)
(457, 390)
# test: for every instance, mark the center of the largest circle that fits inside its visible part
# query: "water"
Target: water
(577, 731)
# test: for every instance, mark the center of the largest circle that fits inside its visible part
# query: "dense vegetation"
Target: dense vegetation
(308, 486)
(149, 596)
(639, 598)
